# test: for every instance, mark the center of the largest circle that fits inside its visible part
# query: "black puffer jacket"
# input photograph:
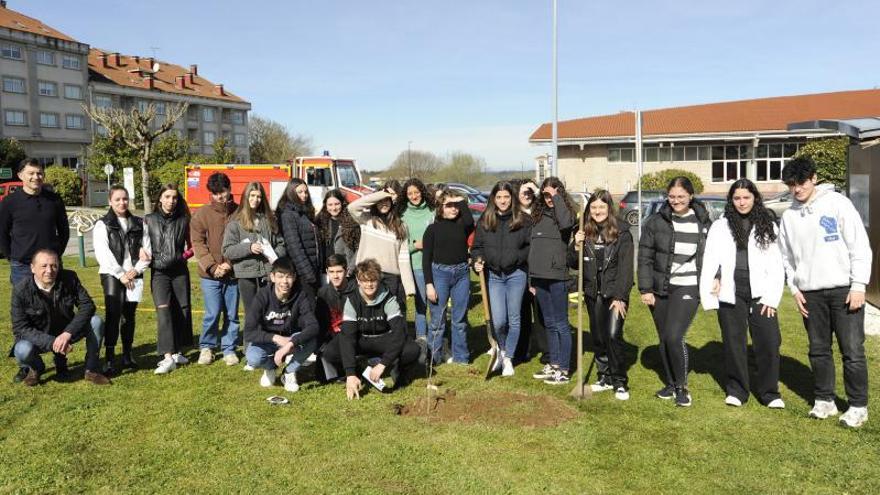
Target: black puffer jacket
(657, 245)
(617, 269)
(301, 241)
(549, 242)
(502, 250)
(120, 242)
(32, 317)
(168, 237)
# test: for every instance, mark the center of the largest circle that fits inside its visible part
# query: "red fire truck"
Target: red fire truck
(321, 173)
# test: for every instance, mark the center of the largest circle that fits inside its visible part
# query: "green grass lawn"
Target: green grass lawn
(208, 429)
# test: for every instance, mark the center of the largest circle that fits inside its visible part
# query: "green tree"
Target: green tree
(657, 181)
(66, 183)
(11, 153)
(272, 142)
(830, 157)
(424, 165)
(462, 167)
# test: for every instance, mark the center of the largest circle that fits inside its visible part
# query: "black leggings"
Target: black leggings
(248, 288)
(120, 314)
(174, 320)
(532, 334)
(735, 320)
(673, 314)
(606, 330)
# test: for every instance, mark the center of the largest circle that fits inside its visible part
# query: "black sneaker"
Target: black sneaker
(559, 378)
(61, 369)
(682, 397)
(19, 377)
(666, 392)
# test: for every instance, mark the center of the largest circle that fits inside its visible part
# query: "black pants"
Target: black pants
(735, 320)
(606, 329)
(829, 314)
(248, 288)
(532, 334)
(120, 314)
(395, 287)
(373, 347)
(673, 314)
(173, 315)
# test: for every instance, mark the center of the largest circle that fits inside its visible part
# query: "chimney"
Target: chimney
(179, 82)
(149, 82)
(102, 59)
(194, 69)
(218, 90)
(150, 61)
(137, 59)
(114, 59)
(3, 4)
(189, 78)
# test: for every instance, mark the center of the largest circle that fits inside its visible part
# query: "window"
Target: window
(103, 101)
(239, 140)
(75, 122)
(692, 153)
(651, 154)
(101, 130)
(48, 119)
(142, 105)
(678, 154)
(614, 155)
(70, 62)
(45, 58)
(73, 92)
(771, 159)
(8, 50)
(347, 174)
(47, 88)
(160, 107)
(13, 84)
(664, 154)
(237, 117)
(15, 117)
(621, 154)
(208, 114)
(730, 162)
(210, 137)
(70, 161)
(46, 161)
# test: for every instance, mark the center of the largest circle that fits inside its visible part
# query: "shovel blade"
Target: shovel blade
(581, 392)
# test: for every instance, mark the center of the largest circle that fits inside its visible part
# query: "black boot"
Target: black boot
(127, 360)
(109, 357)
(61, 369)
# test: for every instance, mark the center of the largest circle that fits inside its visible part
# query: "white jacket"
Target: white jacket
(766, 274)
(824, 244)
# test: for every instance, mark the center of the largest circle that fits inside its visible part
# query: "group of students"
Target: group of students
(332, 285)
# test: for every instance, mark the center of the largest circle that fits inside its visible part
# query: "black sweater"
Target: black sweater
(612, 273)
(32, 222)
(503, 250)
(267, 316)
(445, 242)
(379, 317)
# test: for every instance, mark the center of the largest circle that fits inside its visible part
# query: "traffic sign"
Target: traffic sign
(5, 173)
(108, 169)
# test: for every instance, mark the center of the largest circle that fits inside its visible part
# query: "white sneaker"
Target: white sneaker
(854, 417)
(230, 359)
(732, 401)
(499, 361)
(601, 386)
(166, 365)
(823, 409)
(507, 367)
(309, 360)
(268, 378)
(776, 404)
(179, 358)
(621, 393)
(289, 382)
(544, 373)
(248, 367)
(206, 356)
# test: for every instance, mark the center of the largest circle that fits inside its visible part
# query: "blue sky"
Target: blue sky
(362, 79)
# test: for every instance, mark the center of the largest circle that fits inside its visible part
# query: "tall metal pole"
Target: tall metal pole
(554, 166)
(409, 157)
(639, 163)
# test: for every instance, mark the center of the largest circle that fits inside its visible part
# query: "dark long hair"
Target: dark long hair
(247, 216)
(351, 232)
(290, 197)
(539, 205)
(760, 217)
(181, 209)
(390, 221)
(427, 197)
(489, 219)
(609, 229)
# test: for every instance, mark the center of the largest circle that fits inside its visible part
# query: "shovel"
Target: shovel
(580, 391)
(490, 330)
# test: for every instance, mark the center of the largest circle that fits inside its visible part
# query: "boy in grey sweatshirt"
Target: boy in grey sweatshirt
(827, 260)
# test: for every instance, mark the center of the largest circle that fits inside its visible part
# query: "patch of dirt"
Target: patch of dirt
(497, 408)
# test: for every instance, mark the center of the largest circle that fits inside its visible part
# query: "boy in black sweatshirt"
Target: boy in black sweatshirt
(331, 297)
(280, 323)
(373, 326)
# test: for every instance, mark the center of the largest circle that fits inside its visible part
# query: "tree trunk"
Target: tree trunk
(145, 177)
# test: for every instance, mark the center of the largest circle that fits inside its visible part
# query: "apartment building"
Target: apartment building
(44, 74)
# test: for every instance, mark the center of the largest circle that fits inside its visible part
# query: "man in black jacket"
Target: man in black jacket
(332, 296)
(44, 319)
(280, 323)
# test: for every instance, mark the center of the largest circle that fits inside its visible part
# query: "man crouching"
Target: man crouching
(373, 326)
(50, 312)
(279, 323)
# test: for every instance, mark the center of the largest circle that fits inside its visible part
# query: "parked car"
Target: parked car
(474, 195)
(8, 188)
(714, 205)
(628, 205)
(782, 201)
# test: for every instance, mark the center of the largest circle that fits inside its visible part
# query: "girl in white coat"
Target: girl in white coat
(743, 277)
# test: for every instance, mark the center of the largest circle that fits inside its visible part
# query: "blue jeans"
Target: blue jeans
(262, 355)
(18, 271)
(505, 299)
(28, 355)
(552, 298)
(421, 304)
(219, 296)
(450, 281)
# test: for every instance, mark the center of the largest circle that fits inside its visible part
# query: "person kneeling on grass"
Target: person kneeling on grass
(373, 326)
(279, 323)
(50, 311)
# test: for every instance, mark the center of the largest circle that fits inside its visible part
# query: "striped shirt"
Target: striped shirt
(686, 237)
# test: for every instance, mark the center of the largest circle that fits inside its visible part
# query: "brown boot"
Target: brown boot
(97, 378)
(32, 378)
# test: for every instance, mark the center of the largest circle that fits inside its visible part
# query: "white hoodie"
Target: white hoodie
(766, 275)
(824, 244)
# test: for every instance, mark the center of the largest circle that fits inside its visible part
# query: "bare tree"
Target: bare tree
(135, 128)
(272, 142)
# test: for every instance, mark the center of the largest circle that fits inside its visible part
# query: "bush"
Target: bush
(170, 173)
(830, 157)
(66, 183)
(658, 181)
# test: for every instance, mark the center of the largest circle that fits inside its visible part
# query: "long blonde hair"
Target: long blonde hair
(247, 216)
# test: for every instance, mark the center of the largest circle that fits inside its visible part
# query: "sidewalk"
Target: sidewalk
(872, 320)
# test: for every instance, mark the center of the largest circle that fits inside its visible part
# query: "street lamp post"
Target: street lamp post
(554, 170)
(409, 158)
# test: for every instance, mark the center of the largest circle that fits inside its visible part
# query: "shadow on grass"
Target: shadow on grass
(797, 377)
